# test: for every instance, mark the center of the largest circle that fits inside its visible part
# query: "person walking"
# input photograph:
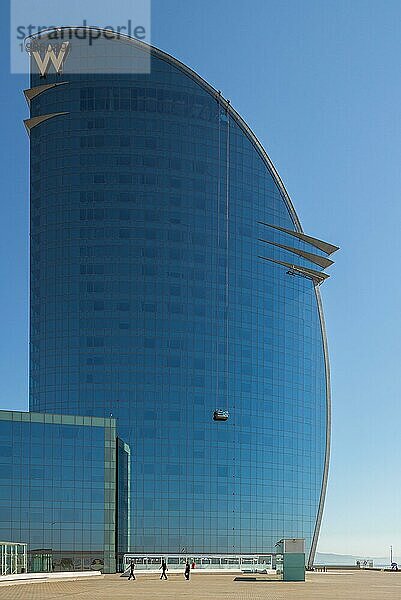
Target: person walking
(131, 571)
(164, 569)
(187, 571)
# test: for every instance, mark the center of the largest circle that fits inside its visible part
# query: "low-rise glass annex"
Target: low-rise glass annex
(58, 490)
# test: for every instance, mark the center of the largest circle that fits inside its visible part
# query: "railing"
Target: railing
(176, 562)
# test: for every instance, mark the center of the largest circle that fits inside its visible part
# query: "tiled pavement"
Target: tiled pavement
(319, 586)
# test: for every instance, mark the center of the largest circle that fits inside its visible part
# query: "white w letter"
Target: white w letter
(50, 56)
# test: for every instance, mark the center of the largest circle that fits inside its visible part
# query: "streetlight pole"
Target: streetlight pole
(391, 555)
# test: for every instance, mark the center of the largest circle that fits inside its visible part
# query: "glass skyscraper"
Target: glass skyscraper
(170, 279)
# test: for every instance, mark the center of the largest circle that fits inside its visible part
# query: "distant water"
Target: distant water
(323, 558)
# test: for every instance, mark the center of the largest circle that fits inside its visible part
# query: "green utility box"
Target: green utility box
(293, 563)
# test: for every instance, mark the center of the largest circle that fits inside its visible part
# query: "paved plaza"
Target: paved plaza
(320, 586)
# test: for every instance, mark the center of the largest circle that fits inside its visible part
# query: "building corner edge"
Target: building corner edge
(316, 532)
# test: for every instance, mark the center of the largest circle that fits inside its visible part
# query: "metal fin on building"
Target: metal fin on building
(322, 261)
(31, 93)
(317, 276)
(34, 121)
(324, 246)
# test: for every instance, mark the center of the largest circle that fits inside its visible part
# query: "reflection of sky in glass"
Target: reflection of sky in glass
(141, 308)
(52, 485)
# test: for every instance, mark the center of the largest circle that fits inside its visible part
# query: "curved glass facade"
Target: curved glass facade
(150, 301)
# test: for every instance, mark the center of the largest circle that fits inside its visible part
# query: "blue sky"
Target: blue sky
(319, 82)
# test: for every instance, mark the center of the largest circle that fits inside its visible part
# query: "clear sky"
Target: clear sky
(319, 82)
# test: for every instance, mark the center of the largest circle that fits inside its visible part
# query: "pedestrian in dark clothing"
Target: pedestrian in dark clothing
(164, 569)
(187, 571)
(131, 571)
